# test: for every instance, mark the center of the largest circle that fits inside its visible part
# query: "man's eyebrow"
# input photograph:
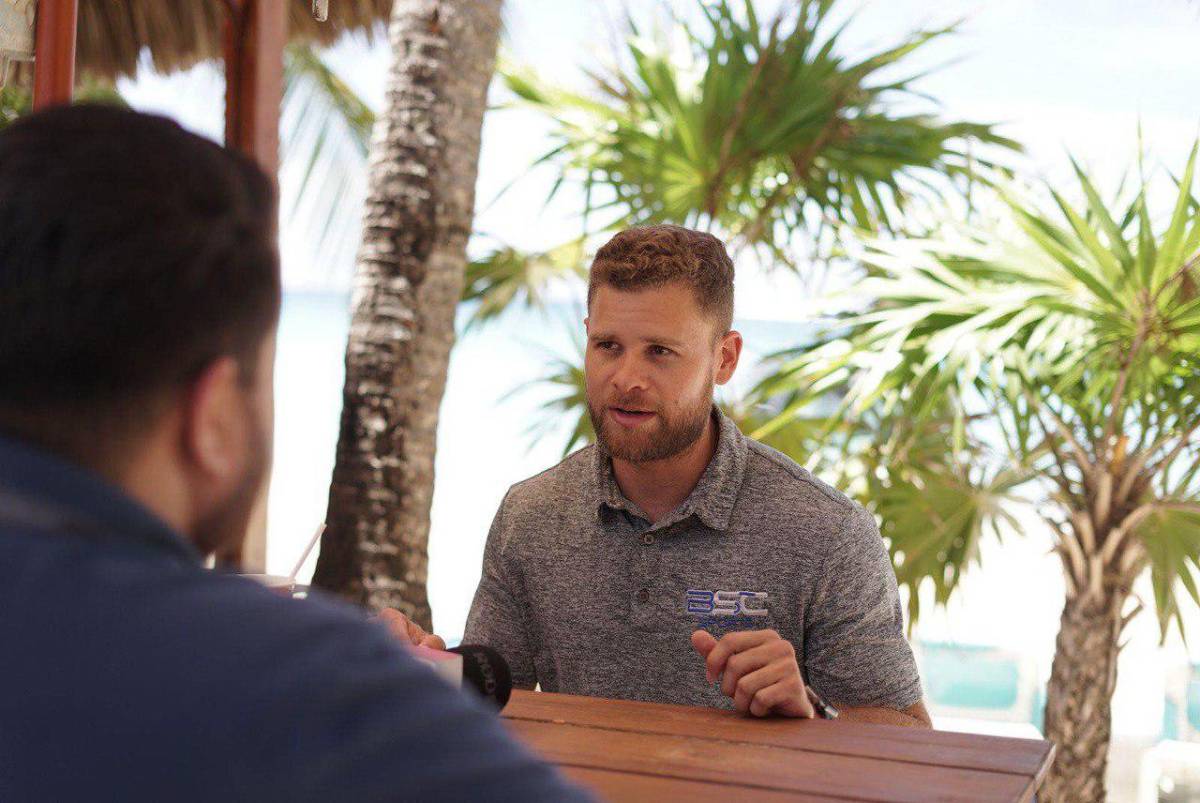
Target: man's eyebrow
(664, 341)
(670, 342)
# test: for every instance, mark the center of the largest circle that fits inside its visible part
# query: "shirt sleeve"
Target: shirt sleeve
(210, 688)
(855, 651)
(498, 616)
(382, 727)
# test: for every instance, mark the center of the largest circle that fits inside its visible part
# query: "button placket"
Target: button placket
(644, 581)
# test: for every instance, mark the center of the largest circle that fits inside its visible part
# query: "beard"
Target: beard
(222, 530)
(661, 437)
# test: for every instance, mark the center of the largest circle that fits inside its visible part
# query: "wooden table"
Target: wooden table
(646, 751)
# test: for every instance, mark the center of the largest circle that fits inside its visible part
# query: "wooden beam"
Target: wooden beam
(54, 52)
(255, 35)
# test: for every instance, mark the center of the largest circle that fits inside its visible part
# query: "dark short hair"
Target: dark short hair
(653, 256)
(132, 254)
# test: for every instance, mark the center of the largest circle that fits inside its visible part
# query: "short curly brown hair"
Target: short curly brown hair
(653, 256)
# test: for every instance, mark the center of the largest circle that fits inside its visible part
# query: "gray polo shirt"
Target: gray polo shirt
(584, 596)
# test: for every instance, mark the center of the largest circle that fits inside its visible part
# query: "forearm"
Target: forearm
(913, 717)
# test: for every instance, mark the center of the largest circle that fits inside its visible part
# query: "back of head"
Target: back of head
(132, 253)
(653, 256)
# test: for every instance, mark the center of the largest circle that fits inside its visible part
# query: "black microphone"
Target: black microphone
(485, 671)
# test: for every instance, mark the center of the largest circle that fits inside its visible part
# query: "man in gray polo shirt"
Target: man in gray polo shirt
(678, 560)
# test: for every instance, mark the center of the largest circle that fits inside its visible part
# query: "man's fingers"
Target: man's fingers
(416, 633)
(408, 631)
(703, 643)
(733, 643)
(743, 663)
(397, 624)
(389, 615)
(752, 683)
(786, 698)
(433, 642)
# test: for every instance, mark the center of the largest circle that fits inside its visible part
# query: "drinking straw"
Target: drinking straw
(311, 543)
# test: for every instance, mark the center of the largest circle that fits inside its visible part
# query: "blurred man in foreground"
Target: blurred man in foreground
(678, 560)
(139, 297)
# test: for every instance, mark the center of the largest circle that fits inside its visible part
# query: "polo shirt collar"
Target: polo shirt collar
(42, 487)
(711, 501)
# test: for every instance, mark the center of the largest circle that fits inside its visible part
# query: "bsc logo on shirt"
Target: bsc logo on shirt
(727, 603)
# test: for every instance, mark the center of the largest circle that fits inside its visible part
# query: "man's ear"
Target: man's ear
(214, 420)
(729, 351)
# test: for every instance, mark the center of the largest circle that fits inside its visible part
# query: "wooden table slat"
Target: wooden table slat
(943, 748)
(617, 785)
(763, 767)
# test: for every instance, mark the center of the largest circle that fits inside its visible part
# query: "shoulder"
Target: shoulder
(271, 635)
(213, 670)
(263, 671)
(785, 484)
(555, 490)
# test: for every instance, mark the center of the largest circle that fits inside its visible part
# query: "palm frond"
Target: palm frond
(566, 385)
(1172, 538)
(1058, 342)
(759, 131)
(507, 278)
(326, 138)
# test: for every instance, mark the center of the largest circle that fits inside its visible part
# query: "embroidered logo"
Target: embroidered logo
(726, 603)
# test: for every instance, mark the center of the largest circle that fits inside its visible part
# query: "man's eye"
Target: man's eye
(606, 345)
(660, 351)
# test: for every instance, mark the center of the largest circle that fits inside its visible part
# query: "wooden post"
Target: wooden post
(255, 35)
(54, 52)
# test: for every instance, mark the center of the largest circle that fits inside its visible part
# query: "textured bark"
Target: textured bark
(409, 277)
(1079, 696)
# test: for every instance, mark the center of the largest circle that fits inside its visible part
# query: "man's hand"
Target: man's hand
(758, 669)
(409, 631)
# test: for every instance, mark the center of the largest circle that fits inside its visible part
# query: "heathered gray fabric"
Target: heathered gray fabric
(582, 595)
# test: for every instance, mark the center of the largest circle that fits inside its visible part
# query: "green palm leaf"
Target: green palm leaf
(506, 277)
(1057, 344)
(1172, 538)
(760, 131)
(565, 384)
(326, 130)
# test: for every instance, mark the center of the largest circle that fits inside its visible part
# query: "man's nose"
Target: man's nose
(629, 374)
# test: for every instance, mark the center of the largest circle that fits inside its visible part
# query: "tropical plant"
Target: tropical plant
(765, 133)
(326, 135)
(565, 385)
(16, 100)
(409, 278)
(505, 277)
(1055, 353)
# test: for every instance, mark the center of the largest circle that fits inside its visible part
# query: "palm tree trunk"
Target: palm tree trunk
(409, 277)
(1079, 695)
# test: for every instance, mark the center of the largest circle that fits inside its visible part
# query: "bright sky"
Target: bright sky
(1059, 75)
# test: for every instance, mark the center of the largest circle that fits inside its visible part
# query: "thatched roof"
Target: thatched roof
(181, 33)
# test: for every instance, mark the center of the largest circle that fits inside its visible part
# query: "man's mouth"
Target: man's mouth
(629, 416)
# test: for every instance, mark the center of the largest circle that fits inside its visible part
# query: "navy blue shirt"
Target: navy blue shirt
(129, 672)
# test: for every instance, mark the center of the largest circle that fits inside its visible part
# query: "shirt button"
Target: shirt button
(643, 595)
(647, 539)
